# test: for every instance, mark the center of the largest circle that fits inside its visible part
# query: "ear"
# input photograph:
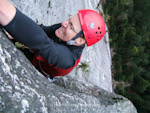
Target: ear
(80, 41)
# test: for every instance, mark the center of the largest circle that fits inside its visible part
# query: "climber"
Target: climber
(57, 48)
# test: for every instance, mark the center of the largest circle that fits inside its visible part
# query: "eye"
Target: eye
(71, 27)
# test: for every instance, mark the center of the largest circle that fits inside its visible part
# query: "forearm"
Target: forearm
(7, 12)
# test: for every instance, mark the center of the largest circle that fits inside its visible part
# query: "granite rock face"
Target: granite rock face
(96, 58)
(24, 90)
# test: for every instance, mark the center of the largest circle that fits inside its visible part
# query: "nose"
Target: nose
(65, 23)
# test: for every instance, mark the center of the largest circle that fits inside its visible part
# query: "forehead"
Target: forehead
(76, 22)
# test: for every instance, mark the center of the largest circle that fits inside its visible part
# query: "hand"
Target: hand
(8, 35)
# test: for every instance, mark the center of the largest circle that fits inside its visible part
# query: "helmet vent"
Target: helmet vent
(99, 28)
(100, 32)
(96, 32)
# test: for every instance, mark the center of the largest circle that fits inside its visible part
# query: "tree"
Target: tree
(140, 85)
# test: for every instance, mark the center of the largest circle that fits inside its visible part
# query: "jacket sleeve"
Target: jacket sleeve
(26, 31)
(50, 30)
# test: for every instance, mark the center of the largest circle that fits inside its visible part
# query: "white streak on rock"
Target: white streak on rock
(25, 106)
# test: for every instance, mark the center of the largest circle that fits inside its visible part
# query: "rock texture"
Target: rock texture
(97, 57)
(24, 90)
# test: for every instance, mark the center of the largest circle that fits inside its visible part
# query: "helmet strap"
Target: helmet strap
(72, 42)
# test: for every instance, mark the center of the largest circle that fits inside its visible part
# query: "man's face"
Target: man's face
(69, 28)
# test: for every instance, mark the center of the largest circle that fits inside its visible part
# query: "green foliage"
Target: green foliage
(140, 85)
(120, 90)
(84, 66)
(129, 31)
(119, 77)
(20, 45)
(126, 2)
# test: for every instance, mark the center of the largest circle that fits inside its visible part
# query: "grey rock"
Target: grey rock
(24, 90)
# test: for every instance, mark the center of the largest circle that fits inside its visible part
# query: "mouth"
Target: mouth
(62, 30)
(59, 32)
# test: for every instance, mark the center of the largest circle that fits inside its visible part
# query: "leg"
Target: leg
(7, 12)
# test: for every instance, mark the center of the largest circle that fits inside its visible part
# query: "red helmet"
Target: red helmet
(93, 26)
